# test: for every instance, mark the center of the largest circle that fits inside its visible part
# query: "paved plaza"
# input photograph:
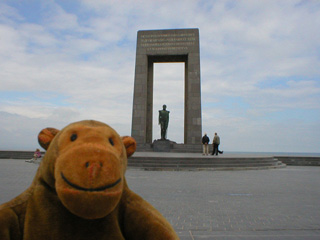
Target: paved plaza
(254, 204)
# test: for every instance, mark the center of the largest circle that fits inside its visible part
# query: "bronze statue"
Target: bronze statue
(164, 121)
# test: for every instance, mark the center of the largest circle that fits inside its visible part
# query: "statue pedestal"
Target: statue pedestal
(162, 145)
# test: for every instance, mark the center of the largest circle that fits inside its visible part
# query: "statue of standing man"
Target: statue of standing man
(164, 121)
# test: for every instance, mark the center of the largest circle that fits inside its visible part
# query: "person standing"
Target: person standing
(205, 144)
(216, 143)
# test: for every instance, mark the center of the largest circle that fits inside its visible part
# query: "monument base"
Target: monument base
(174, 147)
(161, 145)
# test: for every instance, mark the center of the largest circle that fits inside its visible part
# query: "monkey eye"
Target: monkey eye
(111, 141)
(73, 137)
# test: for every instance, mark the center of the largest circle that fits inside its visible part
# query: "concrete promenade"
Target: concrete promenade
(257, 204)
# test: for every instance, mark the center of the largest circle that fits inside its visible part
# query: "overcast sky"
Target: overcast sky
(64, 61)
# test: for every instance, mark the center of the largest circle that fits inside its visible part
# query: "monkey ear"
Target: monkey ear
(130, 145)
(46, 136)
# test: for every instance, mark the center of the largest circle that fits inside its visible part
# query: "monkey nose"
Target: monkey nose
(94, 169)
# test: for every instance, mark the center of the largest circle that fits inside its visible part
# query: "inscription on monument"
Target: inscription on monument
(158, 42)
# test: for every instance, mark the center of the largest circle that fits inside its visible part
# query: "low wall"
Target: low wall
(289, 160)
(17, 154)
(299, 160)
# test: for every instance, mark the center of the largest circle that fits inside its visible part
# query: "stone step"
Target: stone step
(200, 160)
(174, 161)
(207, 167)
(143, 165)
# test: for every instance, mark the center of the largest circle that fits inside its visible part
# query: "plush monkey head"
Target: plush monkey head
(85, 164)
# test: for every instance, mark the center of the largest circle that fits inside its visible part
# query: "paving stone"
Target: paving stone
(257, 204)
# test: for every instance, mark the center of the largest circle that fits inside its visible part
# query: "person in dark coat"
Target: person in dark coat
(205, 144)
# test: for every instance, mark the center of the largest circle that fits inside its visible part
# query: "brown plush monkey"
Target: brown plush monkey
(80, 191)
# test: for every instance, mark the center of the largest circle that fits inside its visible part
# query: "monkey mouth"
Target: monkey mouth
(98, 189)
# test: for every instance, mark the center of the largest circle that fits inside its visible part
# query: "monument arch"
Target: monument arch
(156, 46)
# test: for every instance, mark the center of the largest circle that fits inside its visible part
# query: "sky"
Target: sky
(65, 61)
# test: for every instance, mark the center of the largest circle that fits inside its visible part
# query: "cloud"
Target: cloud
(260, 65)
(20, 133)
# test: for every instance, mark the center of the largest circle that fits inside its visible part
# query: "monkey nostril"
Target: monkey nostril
(88, 164)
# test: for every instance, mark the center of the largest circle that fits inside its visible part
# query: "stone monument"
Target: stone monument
(155, 46)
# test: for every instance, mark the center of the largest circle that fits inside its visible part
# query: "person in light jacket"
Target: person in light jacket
(216, 143)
